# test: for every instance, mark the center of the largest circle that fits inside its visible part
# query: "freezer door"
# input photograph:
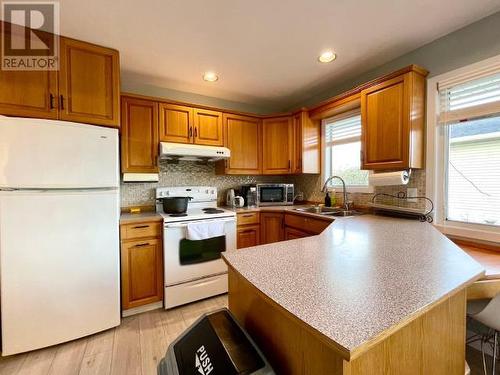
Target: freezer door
(37, 153)
(59, 267)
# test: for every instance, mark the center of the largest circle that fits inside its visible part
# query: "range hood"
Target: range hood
(179, 151)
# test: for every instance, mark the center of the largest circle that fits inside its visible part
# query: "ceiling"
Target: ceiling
(265, 51)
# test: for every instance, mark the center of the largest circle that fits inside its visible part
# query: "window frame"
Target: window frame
(350, 188)
(437, 159)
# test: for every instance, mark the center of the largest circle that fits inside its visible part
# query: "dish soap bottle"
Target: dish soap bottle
(328, 200)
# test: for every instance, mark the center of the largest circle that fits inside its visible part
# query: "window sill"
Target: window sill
(472, 233)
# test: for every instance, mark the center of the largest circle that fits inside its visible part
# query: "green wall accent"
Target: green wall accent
(475, 42)
(189, 97)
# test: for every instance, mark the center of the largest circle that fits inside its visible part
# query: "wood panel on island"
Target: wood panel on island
(141, 263)
(85, 89)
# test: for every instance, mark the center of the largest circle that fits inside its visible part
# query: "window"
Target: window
(463, 150)
(342, 150)
(470, 121)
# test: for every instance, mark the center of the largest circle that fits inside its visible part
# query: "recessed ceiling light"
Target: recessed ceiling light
(327, 56)
(210, 77)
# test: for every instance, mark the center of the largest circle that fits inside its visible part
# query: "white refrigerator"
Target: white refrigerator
(59, 223)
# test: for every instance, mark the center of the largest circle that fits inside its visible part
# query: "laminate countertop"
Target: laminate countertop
(128, 218)
(289, 209)
(360, 278)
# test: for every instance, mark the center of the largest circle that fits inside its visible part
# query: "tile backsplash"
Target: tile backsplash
(188, 173)
(311, 186)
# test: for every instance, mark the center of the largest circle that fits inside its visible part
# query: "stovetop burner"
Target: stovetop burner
(212, 210)
(177, 215)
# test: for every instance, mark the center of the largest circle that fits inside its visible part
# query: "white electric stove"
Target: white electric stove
(194, 269)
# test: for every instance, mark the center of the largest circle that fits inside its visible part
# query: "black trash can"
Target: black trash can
(214, 345)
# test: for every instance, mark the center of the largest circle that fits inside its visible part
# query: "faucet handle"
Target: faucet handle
(348, 205)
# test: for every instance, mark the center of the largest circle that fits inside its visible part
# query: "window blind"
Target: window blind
(469, 99)
(343, 129)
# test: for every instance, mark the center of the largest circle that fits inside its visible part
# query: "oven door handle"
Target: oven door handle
(185, 224)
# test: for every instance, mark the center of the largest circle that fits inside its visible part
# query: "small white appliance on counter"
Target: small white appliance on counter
(59, 243)
(193, 268)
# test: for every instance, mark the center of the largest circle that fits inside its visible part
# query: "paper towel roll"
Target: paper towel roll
(389, 178)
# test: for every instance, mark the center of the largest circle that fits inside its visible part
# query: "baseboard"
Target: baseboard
(141, 309)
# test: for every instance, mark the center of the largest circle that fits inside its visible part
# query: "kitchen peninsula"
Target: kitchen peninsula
(369, 295)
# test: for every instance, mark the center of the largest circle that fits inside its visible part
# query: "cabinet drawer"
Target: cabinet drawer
(140, 230)
(245, 218)
(305, 223)
(247, 236)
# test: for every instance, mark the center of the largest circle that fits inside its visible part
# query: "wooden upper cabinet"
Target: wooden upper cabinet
(392, 116)
(27, 93)
(306, 144)
(176, 123)
(277, 143)
(89, 83)
(272, 227)
(139, 138)
(208, 127)
(243, 138)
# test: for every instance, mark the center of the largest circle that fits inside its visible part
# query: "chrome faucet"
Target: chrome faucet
(344, 191)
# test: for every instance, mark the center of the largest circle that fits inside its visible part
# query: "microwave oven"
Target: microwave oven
(275, 194)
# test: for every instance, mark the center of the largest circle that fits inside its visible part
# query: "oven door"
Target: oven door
(187, 260)
(271, 194)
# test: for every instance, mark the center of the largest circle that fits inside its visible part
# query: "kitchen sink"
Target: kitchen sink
(318, 210)
(328, 211)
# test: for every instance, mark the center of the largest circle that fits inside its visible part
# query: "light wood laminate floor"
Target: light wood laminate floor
(135, 347)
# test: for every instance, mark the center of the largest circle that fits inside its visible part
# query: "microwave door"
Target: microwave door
(270, 195)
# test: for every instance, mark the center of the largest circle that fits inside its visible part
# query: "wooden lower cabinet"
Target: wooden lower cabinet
(248, 235)
(141, 268)
(292, 233)
(306, 224)
(272, 228)
(248, 229)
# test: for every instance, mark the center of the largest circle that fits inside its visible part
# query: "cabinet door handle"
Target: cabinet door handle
(195, 132)
(61, 98)
(141, 244)
(141, 226)
(190, 131)
(51, 101)
(247, 215)
(247, 231)
(289, 165)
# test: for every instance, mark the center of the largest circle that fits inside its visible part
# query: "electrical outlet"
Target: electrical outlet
(411, 193)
